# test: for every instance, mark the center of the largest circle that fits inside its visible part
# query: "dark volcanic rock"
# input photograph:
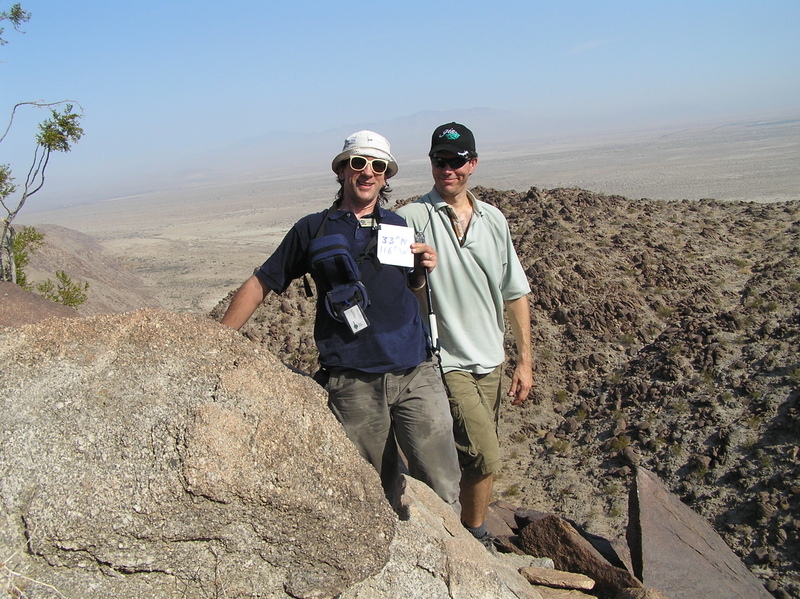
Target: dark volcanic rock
(555, 538)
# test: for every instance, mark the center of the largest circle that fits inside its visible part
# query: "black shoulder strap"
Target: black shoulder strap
(320, 232)
(372, 243)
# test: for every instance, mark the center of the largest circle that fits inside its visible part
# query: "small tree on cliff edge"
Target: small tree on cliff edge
(56, 134)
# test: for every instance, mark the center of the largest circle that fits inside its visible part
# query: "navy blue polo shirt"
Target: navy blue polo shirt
(395, 338)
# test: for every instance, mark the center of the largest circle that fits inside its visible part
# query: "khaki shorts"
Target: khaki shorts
(475, 405)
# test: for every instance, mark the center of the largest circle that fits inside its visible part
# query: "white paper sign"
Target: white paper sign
(394, 245)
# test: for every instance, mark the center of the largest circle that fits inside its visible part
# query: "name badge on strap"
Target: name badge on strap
(355, 318)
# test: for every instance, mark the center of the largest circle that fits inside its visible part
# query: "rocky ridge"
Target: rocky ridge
(665, 335)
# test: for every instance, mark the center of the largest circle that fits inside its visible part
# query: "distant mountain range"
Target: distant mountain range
(276, 152)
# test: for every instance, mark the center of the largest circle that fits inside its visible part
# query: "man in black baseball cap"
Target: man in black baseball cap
(477, 275)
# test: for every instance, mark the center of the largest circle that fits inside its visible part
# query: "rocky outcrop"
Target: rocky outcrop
(666, 336)
(159, 455)
(433, 556)
(162, 455)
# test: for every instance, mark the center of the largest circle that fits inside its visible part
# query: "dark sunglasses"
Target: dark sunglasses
(454, 163)
(359, 163)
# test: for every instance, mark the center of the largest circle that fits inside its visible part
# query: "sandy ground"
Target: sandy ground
(194, 245)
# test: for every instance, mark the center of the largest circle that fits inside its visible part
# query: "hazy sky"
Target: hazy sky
(161, 80)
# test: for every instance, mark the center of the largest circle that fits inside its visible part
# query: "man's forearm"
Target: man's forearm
(245, 302)
(519, 316)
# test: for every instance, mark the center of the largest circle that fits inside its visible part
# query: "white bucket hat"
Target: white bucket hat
(370, 144)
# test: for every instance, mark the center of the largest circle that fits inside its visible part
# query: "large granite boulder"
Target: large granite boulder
(153, 454)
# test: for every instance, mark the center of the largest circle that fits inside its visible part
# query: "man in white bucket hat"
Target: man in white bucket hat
(376, 363)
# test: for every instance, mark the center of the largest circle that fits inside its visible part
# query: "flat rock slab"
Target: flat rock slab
(557, 578)
(676, 551)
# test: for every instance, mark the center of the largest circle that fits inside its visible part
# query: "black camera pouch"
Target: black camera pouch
(336, 273)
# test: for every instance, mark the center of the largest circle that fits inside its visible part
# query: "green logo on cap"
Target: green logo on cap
(450, 134)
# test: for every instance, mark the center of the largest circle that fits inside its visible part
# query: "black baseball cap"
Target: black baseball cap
(454, 138)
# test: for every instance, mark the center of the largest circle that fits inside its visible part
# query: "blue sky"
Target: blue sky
(162, 81)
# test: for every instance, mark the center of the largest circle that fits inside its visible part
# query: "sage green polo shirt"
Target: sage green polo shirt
(471, 282)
